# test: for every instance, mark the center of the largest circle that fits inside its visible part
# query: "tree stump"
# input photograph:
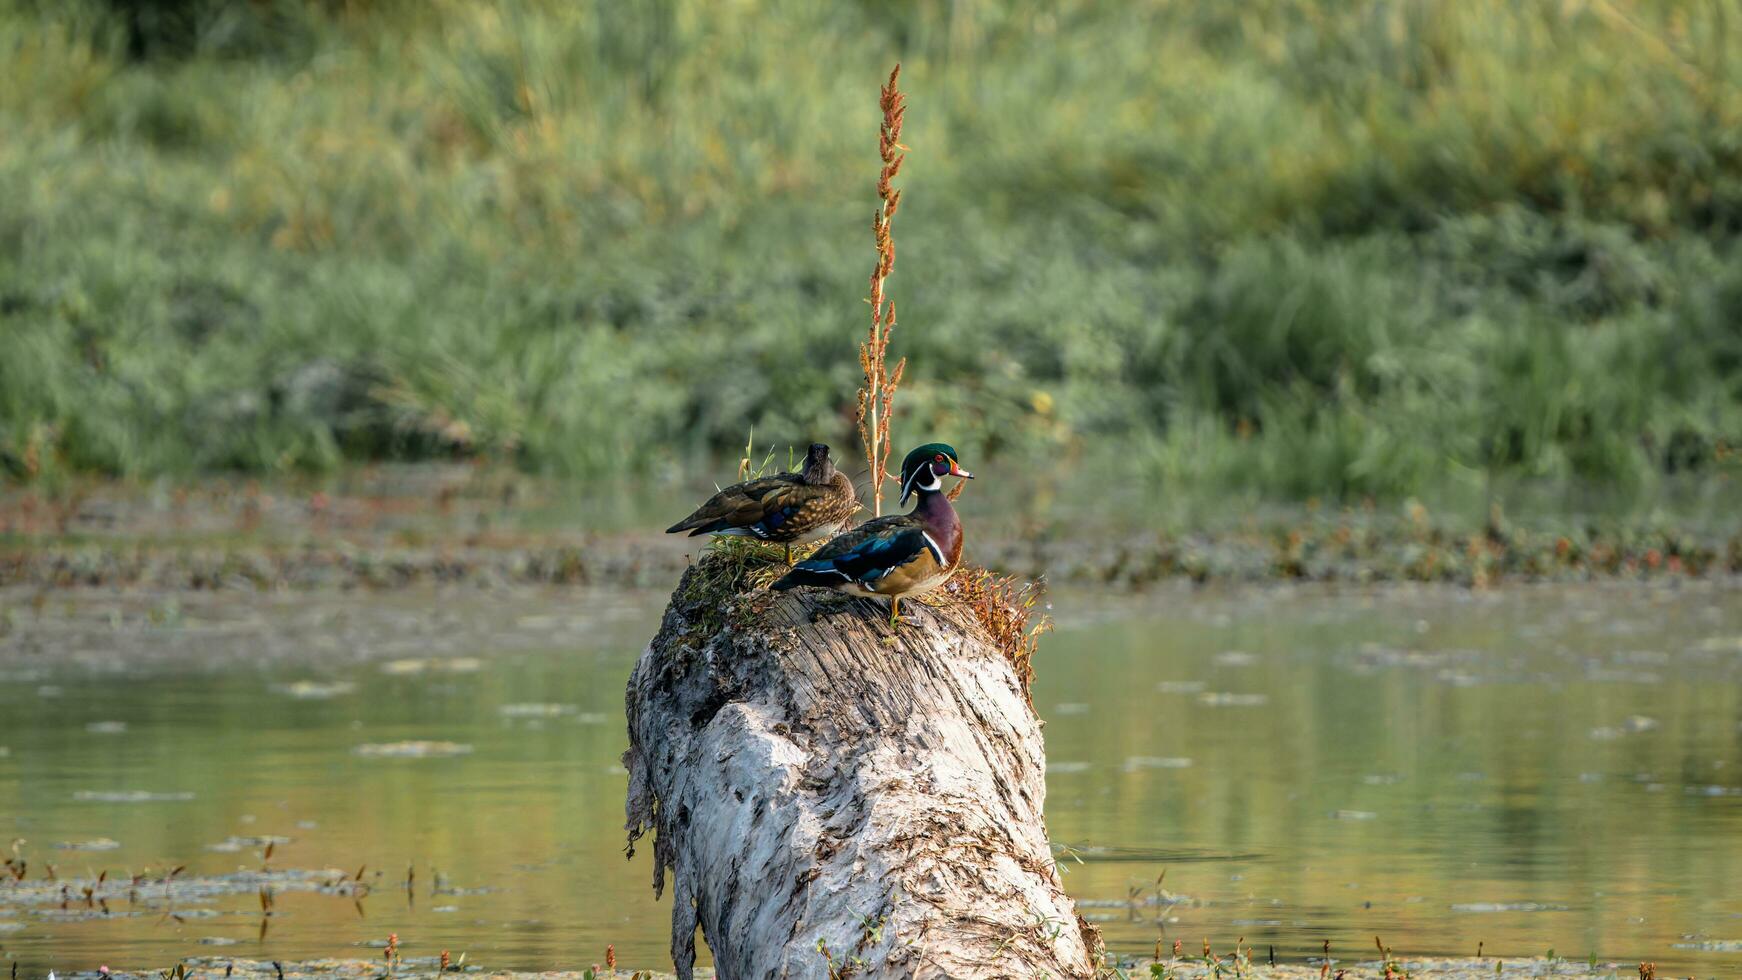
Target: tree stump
(836, 797)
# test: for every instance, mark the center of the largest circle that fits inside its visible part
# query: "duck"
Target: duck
(899, 555)
(787, 508)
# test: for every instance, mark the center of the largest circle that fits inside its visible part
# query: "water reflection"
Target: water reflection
(1438, 768)
(1537, 769)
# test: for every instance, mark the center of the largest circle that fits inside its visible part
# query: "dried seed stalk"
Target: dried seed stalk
(876, 399)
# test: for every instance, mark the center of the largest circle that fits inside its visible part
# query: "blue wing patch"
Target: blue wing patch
(768, 525)
(870, 559)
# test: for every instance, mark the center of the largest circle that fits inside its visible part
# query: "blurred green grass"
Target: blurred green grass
(1298, 248)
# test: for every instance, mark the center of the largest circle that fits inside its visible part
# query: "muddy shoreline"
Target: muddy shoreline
(1327, 553)
(392, 527)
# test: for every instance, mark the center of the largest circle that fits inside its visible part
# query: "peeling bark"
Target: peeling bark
(816, 780)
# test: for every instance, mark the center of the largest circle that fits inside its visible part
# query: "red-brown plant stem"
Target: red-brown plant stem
(876, 399)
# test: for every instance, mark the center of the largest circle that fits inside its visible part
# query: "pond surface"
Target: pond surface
(1541, 768)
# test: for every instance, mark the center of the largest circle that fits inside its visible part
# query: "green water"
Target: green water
(1531, 770)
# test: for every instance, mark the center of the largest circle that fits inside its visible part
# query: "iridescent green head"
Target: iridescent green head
(924, 469)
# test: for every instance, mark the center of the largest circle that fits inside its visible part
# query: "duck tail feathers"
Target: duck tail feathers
(800, 575)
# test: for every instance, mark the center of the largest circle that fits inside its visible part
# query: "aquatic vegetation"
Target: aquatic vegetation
(172, 888)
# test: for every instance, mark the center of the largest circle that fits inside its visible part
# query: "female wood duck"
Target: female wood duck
(786, 508)
(902, 554)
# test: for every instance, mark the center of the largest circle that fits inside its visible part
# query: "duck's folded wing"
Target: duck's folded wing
(786, 503)
(768, 503)
(872, 550)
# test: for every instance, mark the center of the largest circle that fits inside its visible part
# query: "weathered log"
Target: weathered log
(836, 797)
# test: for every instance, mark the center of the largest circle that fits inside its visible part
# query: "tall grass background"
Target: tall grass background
(1293, 248)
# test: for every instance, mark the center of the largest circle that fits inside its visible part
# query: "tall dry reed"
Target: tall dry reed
(877, 398)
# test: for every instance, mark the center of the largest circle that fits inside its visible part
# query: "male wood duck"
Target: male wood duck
(787, 508)
(902, 554)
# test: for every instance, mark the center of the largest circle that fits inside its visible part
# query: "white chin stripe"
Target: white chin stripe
(914, 484)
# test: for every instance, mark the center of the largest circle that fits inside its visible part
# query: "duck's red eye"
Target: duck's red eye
(939, 457)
